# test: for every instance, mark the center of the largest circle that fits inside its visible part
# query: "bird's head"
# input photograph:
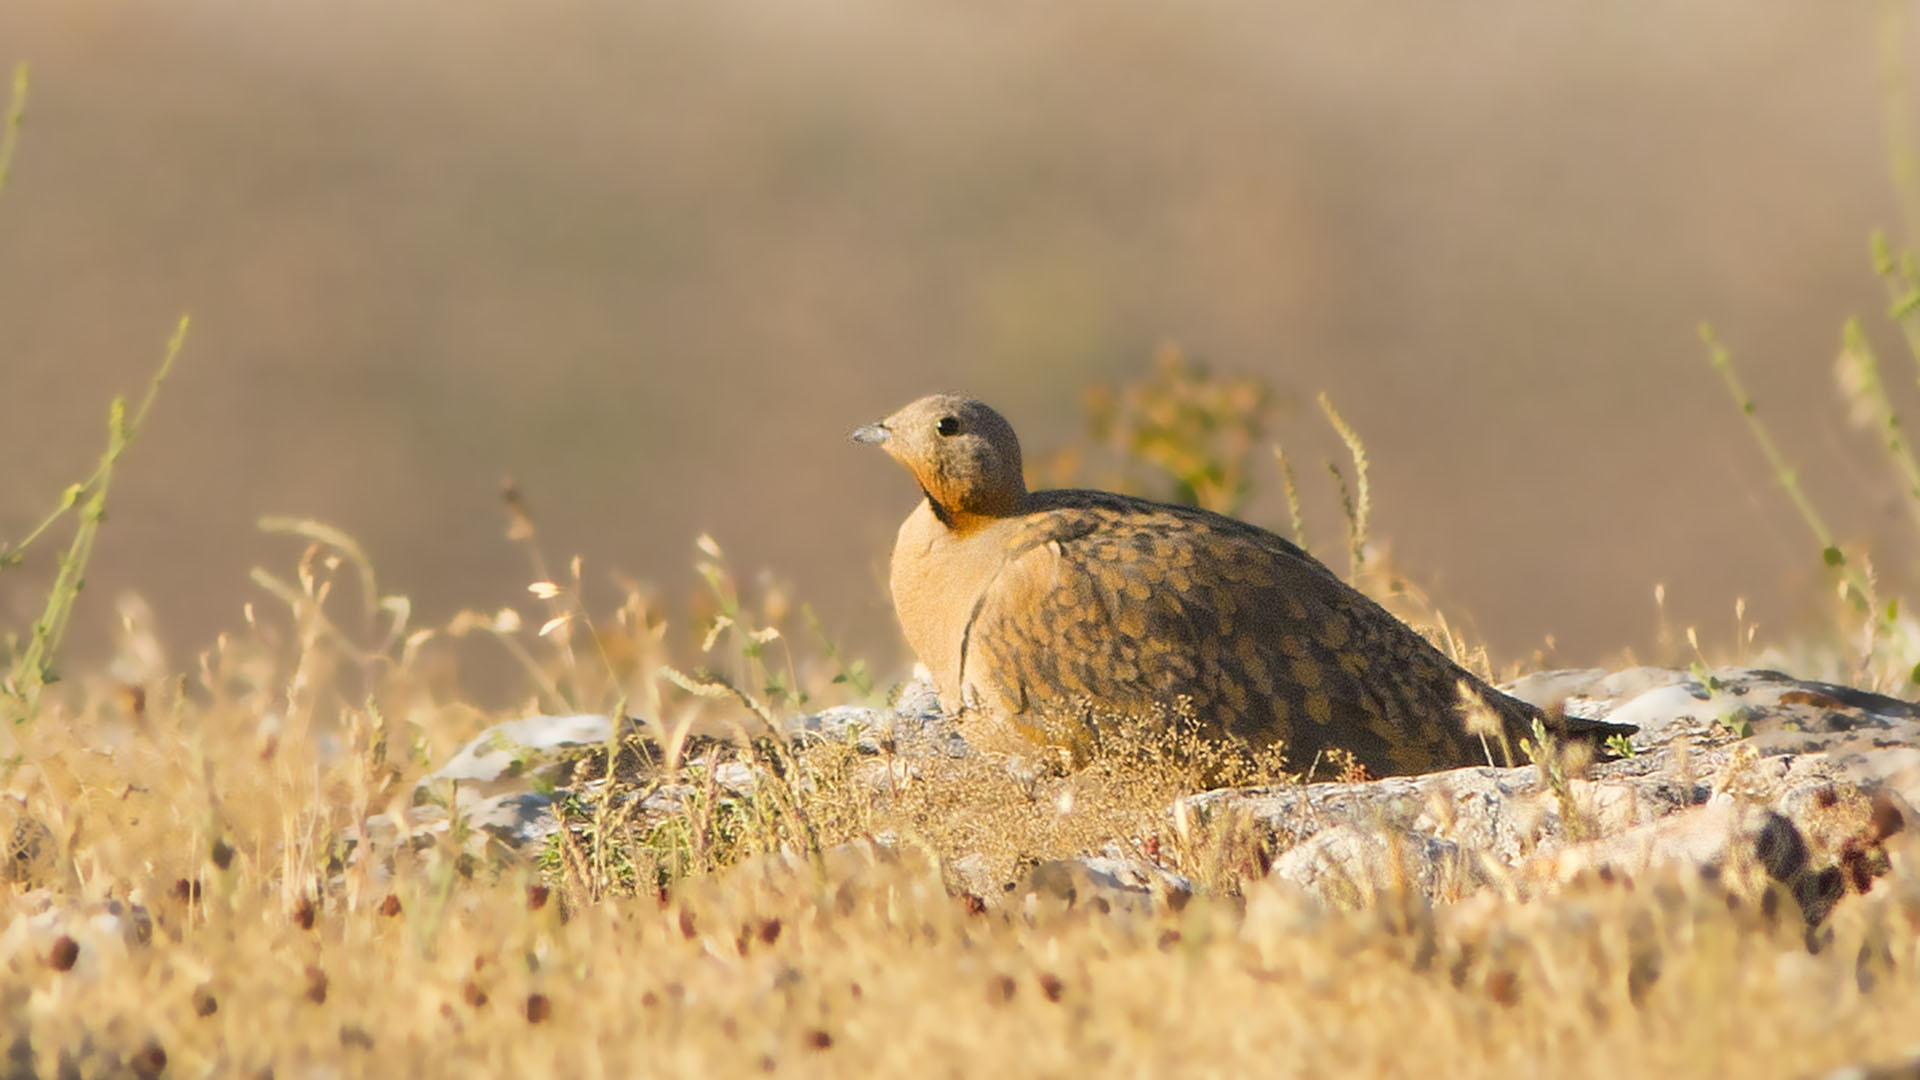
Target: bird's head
(964, 455)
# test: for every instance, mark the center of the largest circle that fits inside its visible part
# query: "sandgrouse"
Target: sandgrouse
(1036, 606)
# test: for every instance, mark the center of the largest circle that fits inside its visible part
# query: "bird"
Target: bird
(1038, 607)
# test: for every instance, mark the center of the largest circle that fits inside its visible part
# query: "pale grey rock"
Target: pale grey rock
(736, 776)
(1110, 881)
(1504, 813)
(1087, 884)
(1548, 689)
(414, 827)
(1714, 835)
(1134, 871)
(913, 726)
(1352, 865)
(518, 819)
(1662, 713)
(106, 932)
(1734, 769)
(494, 777)
(1784, 713)
(1592, 693)
(918, 697)
(972, 875)
(1632, 682)
(867, 728)
(507, 754)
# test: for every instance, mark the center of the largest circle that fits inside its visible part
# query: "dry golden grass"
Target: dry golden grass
(868, 964)
(190, 888)
(848, 913)
(795, 941)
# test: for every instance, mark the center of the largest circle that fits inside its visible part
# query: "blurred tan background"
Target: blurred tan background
(656, 259)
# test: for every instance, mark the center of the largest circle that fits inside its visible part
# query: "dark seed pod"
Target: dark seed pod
(64, 953)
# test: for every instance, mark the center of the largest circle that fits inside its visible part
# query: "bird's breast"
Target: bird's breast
(937, 578)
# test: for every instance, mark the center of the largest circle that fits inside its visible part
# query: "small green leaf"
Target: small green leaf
(1832, 556)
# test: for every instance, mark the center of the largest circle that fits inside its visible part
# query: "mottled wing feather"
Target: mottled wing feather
(1130, 604)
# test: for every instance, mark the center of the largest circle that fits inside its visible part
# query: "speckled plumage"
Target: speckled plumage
(1030, 606)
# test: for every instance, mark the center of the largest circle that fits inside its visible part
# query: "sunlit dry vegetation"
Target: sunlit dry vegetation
(853, 913)
(195, 883)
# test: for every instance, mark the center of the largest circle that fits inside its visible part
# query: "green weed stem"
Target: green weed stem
(1783, 471)
(32, 669)
(1870, 395)
(16, 118)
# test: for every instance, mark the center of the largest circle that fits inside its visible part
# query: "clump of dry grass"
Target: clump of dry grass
(830, 922)
(858, 957)
(191, 883)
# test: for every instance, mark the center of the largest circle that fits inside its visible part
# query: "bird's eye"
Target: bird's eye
(949, 425)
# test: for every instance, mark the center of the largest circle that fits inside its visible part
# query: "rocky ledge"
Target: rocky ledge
(1746, 775)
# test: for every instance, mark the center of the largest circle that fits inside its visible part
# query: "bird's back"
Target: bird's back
(1106, 603)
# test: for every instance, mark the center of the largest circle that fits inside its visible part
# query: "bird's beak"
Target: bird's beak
(872, 433)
